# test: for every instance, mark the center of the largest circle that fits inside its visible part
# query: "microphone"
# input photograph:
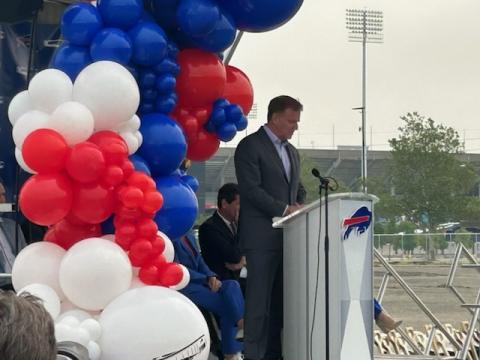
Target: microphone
(316, 173)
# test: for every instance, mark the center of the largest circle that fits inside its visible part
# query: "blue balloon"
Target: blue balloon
(180, 206)
(149, 95)
(261, 15)
(167, 66)
(166, 84)
(221, 102)
(164, 145)
(121, 14)
(140, 164)
(149, 44)
(146, 107)
(165, 104)
(172, 50)
(242, 123)
(147, 80)
(71, 59)
(220, 38)
(191, 181)
(233, 113)
(226, 131)
(197, 17)
(217, 117)
(133, 71)
(111, 44)
(80, 23)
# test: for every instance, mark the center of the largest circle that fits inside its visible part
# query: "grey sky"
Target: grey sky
(429, 62)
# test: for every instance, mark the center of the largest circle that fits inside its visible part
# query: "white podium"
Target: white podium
(350, 279)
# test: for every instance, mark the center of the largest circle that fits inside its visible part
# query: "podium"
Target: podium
(350, 279)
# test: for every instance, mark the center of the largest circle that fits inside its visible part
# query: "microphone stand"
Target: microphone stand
(325, 184)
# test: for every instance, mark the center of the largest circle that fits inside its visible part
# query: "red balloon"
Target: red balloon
(127, 167)
(147, 228)
(112, 145)
(148, 274)
(86, 162)
(152, 202)
(131, 197)
(159, 261)
(141, 181)
(158, 245)
(239, 89)
(205, 147)
(125, 233)
(45, 199)
(202, 78)
(113, 176)
(45, 151)
(92, 203)
(140, 252)
(68, 234)
(171, 274)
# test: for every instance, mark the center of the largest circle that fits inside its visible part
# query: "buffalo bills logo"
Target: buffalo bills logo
(359, 221)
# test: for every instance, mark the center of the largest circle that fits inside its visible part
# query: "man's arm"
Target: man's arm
(249, 178)
(301, 194)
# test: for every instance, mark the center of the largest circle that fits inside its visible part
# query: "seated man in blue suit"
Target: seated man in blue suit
(224, 299)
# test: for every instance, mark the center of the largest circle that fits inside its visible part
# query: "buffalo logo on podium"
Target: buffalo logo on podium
(359, 222)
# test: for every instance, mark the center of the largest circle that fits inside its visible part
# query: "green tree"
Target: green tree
(431, 184)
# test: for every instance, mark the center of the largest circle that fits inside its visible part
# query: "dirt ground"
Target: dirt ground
(428, 281)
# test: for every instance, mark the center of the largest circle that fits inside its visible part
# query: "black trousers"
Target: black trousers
(264, 305)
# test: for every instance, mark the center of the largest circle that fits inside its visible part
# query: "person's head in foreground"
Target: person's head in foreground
(27, 329)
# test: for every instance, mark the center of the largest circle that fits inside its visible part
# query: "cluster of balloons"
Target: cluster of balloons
(121, 32)
(226, 119)
(142, 78)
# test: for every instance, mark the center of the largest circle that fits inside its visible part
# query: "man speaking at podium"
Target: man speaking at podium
(268, 173)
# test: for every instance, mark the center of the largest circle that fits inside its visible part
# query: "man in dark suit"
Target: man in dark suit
(218, 235)
(268, 173)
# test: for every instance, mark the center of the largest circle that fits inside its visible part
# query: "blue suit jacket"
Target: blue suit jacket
(193, 261)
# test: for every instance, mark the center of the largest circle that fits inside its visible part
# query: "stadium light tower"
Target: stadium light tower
(364, 26)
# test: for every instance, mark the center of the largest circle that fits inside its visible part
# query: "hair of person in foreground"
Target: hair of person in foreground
(27, 329)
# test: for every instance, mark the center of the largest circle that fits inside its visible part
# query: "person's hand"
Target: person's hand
(214, 283)
(237, 266)
(292, 208)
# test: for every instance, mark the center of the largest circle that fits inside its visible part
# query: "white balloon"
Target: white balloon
(93, 272)
(50, 88)
(93, 327)
(80, 315)
(21, 162)
(131, 141)
(109, 237)
(27, 123)
(134, 123)
(38, 263)
(185, 279)
(71, 321)
(19, 105)
(139, 137)
(49, 297)
(109, 91)
(136, 283)
(94, 351)
(73, 121)
(63, 332)
(169, 251)
(158, 320)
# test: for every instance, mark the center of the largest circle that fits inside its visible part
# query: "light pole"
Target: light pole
(364, 26)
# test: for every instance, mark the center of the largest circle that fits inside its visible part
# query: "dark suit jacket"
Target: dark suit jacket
(219, 246)
(192, 260)
(264, 189)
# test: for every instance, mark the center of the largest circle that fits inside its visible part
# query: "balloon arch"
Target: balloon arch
(136, 88)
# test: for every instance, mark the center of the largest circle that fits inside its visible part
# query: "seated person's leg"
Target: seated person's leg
(219, 304)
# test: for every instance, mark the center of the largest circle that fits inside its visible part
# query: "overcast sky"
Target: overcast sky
(429, 62)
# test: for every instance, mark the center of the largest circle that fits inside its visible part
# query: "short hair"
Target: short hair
(227, 192)
(282, 103)
(28, 332)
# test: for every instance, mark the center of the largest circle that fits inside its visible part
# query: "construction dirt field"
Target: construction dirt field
(428, 281)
